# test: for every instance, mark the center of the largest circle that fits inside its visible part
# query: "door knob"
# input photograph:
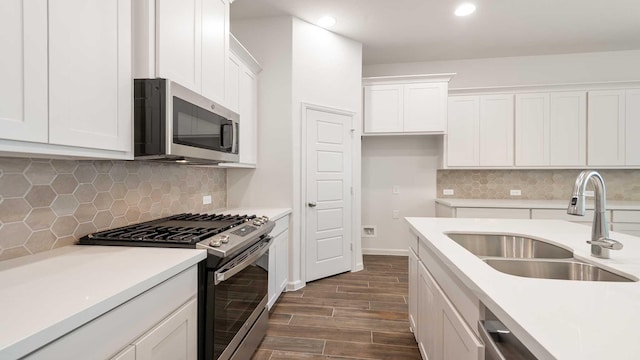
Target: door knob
(311, 204)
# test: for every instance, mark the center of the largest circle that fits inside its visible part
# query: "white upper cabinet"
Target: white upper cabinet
(606, 124)
(186, 41)
(23, 70)
(632, 127)
(568, 128)
(462, 133)
(66, 73)
(480, 131)
(532, 129)
(90, 81)
(496, 130)
(242, 97)
(406, 104)
(383, 108)
(551, 129)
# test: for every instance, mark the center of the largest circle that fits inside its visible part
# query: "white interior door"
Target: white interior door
(328, 194)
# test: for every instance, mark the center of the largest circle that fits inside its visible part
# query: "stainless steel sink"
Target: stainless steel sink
(508, 246)
(555, 269)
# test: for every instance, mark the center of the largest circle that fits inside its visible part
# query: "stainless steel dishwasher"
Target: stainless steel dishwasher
(499, 342)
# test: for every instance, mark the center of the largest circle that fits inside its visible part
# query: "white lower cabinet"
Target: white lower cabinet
(160, 323)
(175, 338)
(278, 260)
(443, 333)
(413, 292)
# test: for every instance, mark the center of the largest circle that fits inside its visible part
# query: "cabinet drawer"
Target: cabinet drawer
(282, 224)
(557, 214)
(625, 216)
(490, 213)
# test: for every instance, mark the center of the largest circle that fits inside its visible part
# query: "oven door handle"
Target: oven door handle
(221, 276)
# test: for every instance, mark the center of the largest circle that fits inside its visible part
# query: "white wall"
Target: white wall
(301, 63)
(525, 70)
(409, 162)
(269, 41)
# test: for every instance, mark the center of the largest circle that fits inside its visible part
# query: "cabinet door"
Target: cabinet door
(233, 85)
(90, 83)
(215, 48)
(383, 108)
(173, 339)
(462, 131)
(606, 138)
(568, 129)
(271, 289)
(429, 316)
(633, 127)
(23, 70)
(458, 340)
(413, 292)
(179, 42)
(425, 107)
(127, 354)
(248, 110)
(496, 130)
(532, 129)
(282, 261)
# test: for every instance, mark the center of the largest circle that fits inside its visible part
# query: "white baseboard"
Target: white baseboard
(358, 267)
(296, 285)
(395, 252)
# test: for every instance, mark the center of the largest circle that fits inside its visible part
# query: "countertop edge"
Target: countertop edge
(531, 204)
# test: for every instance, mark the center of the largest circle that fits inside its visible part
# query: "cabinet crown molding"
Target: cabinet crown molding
(407, 79)
(243, 54)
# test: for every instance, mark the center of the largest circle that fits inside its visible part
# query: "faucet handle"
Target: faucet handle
(606, 243)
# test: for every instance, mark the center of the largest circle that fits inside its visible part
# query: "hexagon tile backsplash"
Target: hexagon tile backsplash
(534, 184)
(46, 204)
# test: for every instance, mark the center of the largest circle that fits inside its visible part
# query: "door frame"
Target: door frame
(356, 252)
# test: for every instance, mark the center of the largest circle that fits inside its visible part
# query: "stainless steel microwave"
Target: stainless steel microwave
(175, 124)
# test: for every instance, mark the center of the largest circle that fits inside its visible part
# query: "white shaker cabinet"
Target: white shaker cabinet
(551, 129)
(496, 130)
(66, 78)
(480, 131)
(406, 104)
(278, 260)
(90, 86)
(413, 299)
(606, 124)
(186, 41)
(242, 97)
(23, 70)
(632, 125)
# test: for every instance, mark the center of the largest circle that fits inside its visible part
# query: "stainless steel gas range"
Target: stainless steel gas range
(233, 281)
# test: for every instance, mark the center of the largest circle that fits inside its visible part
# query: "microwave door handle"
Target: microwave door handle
(234, 137)
(221, 276)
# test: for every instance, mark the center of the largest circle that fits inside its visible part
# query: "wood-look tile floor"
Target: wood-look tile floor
(360, 315)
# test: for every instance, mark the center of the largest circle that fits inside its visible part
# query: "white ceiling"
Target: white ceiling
(423, 30)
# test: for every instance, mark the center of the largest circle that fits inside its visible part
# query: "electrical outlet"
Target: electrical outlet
(206, 200)
(588, 193)
(515, 192)
(447, 192)
(396, 189)
(396, 214)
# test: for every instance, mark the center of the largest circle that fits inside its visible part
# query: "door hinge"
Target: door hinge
(352, 190)
(351, 246)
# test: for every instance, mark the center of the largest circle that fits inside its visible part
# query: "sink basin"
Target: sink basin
(555, 269)
(508, 246)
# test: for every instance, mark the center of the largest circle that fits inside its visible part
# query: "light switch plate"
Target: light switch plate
(396, 214)
(515, 192)
(206, 200)
(447, 192)
(396, 189)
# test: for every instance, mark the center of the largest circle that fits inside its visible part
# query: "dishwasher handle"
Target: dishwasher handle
(491, 351)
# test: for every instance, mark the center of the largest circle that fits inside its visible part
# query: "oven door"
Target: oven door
(236, 300)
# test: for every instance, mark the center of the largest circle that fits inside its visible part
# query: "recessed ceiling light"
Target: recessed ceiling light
(326, 21)
(465, 9)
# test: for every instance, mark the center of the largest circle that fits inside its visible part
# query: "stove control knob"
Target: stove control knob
(257, 222)
(215, 243)
(264, 219)
(224, 238)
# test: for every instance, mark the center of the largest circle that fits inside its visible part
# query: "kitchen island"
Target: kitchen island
(554, 319)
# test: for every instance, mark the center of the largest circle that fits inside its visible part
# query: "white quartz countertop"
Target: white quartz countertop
(44, 296)
(555, 319)
(532, 204)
